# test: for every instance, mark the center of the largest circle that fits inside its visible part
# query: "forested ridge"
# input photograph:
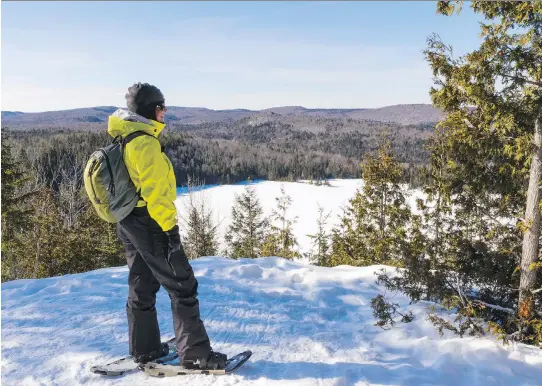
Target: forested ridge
(222, 152)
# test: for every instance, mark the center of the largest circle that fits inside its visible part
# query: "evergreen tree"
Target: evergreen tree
(201, 229)
(482, 213)
(16, 214)
(37, 241)
(502, 80)
(437, 207)
(246, 232)
(376, 218)
(46, 236)
(321, 239)
(104, 247)
(280, 241)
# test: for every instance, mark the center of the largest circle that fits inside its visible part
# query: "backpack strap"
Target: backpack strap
(134, 135)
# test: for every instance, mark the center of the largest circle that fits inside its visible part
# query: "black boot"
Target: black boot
(214, 361)
(144, 358)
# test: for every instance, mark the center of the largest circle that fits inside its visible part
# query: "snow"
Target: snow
(306, 325)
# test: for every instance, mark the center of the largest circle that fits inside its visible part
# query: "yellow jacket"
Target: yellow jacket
(151, 170)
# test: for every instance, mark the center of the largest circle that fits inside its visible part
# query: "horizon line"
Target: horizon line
(232, 109)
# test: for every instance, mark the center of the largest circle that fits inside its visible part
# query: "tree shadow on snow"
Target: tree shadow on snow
(343, 373)
(486, 368)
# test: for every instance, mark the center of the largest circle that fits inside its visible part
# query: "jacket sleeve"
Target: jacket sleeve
(153, 174)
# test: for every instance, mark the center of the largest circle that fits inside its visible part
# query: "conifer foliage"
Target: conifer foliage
(280, 241)
(48, 227)
(200, 228)
(376, 218)
(246, 233)
(321, 239)
(481, 218)
(16, 213)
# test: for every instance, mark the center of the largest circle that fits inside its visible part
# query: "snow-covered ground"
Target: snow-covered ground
(306, 325)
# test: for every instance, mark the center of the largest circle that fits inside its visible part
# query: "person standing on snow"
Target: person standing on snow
(150, 234)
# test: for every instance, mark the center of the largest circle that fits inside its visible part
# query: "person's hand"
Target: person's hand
(174, 240)
(174, 245)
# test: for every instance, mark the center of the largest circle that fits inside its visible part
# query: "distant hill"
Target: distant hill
(6, 114)
(63, 117)
(413, 114)
(403, 114)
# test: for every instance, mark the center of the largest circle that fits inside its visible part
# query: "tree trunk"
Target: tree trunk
(530, 247)
(381, 224)
(37, 260)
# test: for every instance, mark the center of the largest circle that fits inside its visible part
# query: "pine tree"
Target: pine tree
(46, 235)
(201, 230)
(16, 214)
(376, 218)
(103, 245)
(321, 239)
(49, 227)
(280, 241)
(343, 245)
(246, 232)
(437, 207)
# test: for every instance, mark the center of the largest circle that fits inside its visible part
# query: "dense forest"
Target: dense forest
(232, 152)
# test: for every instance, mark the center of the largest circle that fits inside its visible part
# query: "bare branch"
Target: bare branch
(528, 81)
(495, 307)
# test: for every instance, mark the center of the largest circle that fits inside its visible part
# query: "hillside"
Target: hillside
(306, 143)
(401, 114)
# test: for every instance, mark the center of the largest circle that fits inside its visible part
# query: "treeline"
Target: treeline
(352, 141)
(225, 161)
(50, 229)
(213, 161)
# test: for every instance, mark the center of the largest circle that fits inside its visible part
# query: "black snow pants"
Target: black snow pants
(146, 247)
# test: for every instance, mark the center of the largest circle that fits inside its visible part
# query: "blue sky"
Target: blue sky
(223, 55)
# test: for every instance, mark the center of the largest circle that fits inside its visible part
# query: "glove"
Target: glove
(174, 240)
(174, 245)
